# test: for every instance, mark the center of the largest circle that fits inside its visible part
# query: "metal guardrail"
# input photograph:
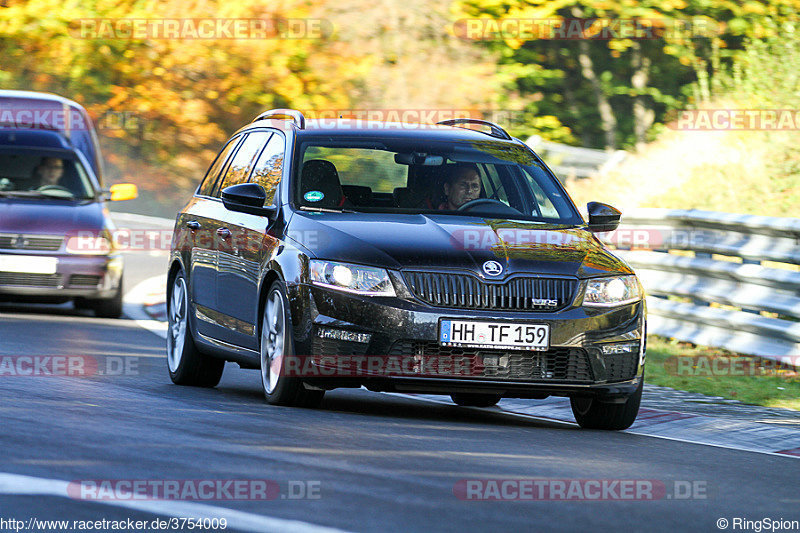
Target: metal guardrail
(739, 272)
(571, 162)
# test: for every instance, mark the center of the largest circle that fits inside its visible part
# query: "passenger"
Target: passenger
(463, 184)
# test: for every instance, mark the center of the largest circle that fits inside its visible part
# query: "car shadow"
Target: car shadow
(28, 308)
(247, 389)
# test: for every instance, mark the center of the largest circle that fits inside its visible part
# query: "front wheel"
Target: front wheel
(108, 308)
(187, 365)
(591, 413)
(277, 346)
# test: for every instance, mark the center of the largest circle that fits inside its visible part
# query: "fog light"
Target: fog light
(342, 335)
(623, 347)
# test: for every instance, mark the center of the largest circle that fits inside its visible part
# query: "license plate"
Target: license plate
(478, 334)
(28, 264)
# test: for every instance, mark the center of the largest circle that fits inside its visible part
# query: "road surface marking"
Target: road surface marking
(17, 485)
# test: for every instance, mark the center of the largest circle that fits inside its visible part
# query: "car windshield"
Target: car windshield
(33, 175)
(476, 178)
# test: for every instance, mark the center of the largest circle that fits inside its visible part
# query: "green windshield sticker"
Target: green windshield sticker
(314, 196)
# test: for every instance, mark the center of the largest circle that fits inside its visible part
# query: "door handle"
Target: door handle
(224, 233)
(193, 225)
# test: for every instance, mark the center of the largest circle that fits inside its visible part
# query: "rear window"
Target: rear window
(375, 169)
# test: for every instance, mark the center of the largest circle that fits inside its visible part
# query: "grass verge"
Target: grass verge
(717, 372)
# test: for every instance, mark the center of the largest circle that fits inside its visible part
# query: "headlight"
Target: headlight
(609, 292)
(88, 245)
(368, 281)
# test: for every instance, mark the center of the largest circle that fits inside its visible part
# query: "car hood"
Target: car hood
(56, 217)
(399, 241)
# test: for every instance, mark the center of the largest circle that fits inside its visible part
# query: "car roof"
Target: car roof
(18, 109)
(42, 97)
(349, 127)
(34, 138)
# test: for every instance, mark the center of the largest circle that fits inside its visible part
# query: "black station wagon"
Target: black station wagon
(438, 259)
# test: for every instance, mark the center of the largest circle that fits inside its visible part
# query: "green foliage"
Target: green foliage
(766, 76)
(698, 39)
(737, 376)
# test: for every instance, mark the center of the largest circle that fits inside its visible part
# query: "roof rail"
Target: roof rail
(296, 116)
(497, 131)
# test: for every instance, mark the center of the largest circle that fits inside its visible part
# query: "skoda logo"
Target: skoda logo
(492, 268)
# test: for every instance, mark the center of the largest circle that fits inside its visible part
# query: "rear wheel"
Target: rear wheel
(187, 365)
(475, 399)
(277, 345)
(591, 413)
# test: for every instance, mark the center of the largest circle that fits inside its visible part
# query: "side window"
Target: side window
(269, 167)
(495, 188)
(211, 176)
(241, 164)
(546, 206)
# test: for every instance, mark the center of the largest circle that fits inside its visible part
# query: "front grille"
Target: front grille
(557, 364)
(621, 366)
(30, 280)
(84, 280)
(465, 291)
(41, 243)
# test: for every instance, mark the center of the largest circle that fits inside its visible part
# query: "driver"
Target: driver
(48, 172)
(463, 183)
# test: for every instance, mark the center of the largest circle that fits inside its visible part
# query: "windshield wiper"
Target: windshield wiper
(34, 194)
(326, 210)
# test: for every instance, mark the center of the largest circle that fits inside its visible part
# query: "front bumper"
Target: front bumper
(76, 276)
(408, 330)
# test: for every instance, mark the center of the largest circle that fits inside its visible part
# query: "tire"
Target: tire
(591, 413)
(277, 344)
(466, 399)
(186, 364)
(106, 308)
(82, 304)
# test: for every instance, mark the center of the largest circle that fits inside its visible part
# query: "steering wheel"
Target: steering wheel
(485, 202)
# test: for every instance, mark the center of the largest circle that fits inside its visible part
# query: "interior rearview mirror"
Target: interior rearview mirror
(417, 158)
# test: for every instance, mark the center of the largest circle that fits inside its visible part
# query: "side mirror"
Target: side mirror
(246, 198)
(123, 191)
(602, 217)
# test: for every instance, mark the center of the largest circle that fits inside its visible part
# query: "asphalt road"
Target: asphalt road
(371, 462)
